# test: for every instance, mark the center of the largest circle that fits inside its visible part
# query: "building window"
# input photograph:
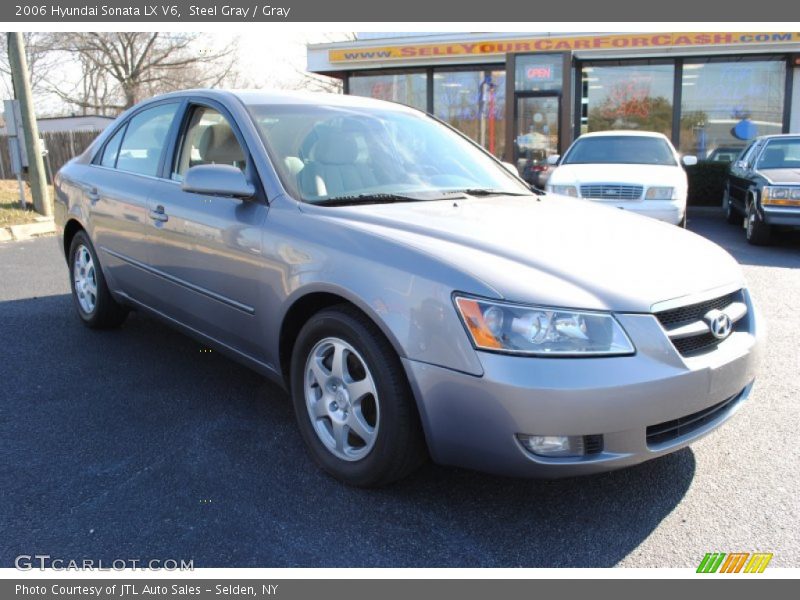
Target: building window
(474, 102)
(726, 103)
(538, 72)
(406, 88)
(630, 96)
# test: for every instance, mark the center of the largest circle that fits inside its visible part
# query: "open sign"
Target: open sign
(539, 73)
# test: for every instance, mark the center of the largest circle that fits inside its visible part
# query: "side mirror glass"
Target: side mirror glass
(553, 159)
(218, 180)
(689, 160)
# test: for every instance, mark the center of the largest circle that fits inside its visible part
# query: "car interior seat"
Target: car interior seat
(218, 145)
(335, 166)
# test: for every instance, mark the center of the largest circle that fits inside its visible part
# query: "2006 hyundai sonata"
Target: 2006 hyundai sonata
(414, 296)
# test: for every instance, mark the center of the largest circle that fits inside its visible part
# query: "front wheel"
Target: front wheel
(94, 303)
(353, 404)
(758, 232)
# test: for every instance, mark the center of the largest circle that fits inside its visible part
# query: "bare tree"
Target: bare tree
(41, 62)
(121, 68)
(314, 82)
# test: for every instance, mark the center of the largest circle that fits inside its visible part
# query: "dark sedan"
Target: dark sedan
(763, 187)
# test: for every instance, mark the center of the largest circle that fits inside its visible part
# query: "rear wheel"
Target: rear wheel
(94, 303)
(758, 232)
(353, 404)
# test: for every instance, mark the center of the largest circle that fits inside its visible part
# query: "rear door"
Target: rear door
(208, 248)
(117, 187)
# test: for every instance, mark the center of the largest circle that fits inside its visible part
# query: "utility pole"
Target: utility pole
(22, 89)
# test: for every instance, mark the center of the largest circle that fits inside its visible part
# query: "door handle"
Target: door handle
(93, 195)
(158, 214)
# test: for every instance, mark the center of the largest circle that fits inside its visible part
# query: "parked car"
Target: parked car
(724, 154)
(410, 292)
(763, 187)
(632, 170)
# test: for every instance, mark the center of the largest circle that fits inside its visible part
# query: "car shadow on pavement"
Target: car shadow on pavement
(141, 444)
(784, 252)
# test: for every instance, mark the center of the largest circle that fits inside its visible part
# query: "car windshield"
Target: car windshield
(621, 149)
(326, 154)
(780, 154)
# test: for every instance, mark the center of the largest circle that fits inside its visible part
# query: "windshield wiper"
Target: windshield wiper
(485, 192)
(365, 199)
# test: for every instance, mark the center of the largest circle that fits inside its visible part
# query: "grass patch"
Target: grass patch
(10, 212)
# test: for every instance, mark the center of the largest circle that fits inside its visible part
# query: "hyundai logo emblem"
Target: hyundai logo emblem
(719, 323)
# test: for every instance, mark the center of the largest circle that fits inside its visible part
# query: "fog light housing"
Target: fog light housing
(554, 446)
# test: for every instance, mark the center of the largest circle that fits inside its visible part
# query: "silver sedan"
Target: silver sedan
(413, 295)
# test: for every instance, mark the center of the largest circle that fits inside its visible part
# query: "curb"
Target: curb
(27, 231)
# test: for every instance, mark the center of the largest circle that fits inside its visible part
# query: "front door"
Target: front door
(208, 248)
(537, 131)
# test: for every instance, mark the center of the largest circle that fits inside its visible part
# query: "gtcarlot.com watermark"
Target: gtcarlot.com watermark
(30, 562)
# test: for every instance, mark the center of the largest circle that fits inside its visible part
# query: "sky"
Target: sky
(268, 58)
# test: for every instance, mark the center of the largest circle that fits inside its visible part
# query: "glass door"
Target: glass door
(536, 136)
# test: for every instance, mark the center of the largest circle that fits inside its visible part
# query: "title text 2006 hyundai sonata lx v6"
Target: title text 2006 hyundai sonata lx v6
(414, 295)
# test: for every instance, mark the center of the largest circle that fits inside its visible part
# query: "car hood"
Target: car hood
(552, 250)
(646, 175)
(781, 175)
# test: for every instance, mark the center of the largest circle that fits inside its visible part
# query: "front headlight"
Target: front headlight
(564, 190)
(780, 195)
(659, 193)
(541, 331)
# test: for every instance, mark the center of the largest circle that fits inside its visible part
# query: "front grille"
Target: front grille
(695, 344)
(696, 312)
(691, 313)
(608, 191)
(670, 430)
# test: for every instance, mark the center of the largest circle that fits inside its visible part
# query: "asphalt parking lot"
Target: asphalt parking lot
(136, 444)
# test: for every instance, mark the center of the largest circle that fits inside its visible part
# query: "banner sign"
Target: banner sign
(489, 47)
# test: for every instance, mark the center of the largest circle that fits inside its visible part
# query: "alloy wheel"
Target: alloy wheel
(85, 278)
(342, 399)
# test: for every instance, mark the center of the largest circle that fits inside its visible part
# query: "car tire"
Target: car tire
(757, 232)
(93, 301)
(353, 403)
(732, 216)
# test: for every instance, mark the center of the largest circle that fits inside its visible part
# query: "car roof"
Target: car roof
(778, 136)
(624, 132)
(270, 96)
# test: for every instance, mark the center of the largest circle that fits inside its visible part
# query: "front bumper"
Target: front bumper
(669, 211)
(473, 422)
(782, 216)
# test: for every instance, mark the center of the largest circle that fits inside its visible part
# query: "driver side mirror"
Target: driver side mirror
(218, 180)
(553, 159)
(689, 160)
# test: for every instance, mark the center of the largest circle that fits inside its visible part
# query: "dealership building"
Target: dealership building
(527, 96)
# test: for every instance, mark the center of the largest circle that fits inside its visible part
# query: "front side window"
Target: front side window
(145, 138)
(329, 152)
(620, 149)
(780, 154)
(209, 139)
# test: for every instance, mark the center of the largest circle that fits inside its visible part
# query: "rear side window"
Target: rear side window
(109, 158)
(144, 140)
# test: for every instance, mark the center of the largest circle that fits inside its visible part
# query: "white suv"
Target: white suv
(632, 170)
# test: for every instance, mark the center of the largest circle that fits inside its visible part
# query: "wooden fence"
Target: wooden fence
(61, 147)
